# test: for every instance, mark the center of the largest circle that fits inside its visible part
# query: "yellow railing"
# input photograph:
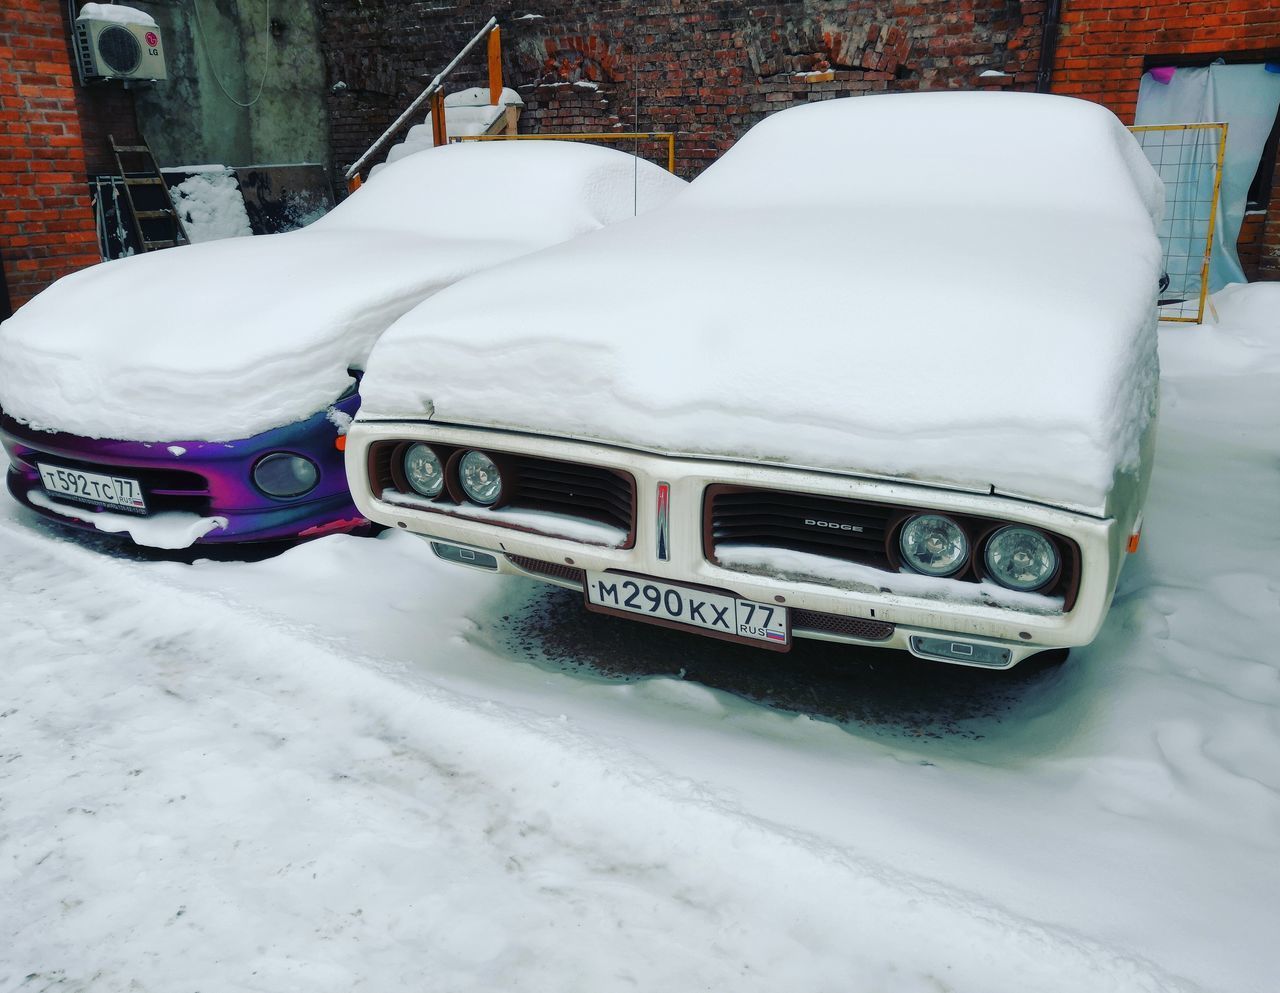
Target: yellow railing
(667, 136)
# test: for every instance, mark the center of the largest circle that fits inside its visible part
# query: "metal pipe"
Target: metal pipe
(667, 136)
(422, 98)
(1048, 46)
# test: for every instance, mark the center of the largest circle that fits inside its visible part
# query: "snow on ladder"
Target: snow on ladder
(155, 219)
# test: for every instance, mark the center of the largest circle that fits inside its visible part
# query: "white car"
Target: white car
(885, 374)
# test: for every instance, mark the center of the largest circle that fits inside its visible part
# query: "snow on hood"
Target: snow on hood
(221, 340)
(953, 287)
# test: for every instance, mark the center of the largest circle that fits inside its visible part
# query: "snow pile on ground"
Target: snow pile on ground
(467, 113)
(116, 12)
(956, 287)
(168, 529)
(211, 205)
(221, 340)
(327, 771)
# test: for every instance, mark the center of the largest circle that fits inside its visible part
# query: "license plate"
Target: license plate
(718, 613)
(93, 487)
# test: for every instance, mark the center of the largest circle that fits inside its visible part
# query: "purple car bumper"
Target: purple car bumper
(206, 481)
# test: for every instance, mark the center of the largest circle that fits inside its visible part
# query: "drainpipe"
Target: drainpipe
(1048, 46)
(6, 305)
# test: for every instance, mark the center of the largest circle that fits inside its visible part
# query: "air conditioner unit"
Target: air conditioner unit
(113, 49)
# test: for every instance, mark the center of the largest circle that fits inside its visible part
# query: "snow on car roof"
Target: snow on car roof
(951, 287)
(221, 340)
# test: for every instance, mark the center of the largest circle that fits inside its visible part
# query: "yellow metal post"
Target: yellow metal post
(495, 66)
(667, 136)
(439, 133)
(1213, 217)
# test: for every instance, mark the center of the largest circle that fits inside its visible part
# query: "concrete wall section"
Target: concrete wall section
(221, 55)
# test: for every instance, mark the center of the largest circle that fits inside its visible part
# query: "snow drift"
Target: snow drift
(953, 287)
(221, 340)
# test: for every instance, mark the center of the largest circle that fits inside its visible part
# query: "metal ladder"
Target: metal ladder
(155, 218)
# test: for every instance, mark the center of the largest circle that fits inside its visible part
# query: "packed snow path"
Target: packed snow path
(324, 771)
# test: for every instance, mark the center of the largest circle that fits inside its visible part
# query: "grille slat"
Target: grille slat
(777, 520)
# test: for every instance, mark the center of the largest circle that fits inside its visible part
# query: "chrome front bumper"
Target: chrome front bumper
(1022, 632)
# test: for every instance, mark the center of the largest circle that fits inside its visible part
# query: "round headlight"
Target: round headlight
(481, 481)
(1021, 559)
(283, 475)
(423, 470)
(934, 545)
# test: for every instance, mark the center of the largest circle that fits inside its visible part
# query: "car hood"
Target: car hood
(958, 340)
(218, 340)
(222, 340)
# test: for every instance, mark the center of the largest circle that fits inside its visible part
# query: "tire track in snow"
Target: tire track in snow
(528, 850)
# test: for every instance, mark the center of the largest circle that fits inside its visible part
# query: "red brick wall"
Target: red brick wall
(707, 71)
(1103, 45)
(46, 223)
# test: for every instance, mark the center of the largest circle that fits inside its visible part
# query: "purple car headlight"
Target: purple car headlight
(281, 474)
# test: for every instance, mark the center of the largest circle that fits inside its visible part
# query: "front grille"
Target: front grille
(774, 519)
(853, 627)
(858, 531)
(552, 569)
(164, 489)
(572, 489)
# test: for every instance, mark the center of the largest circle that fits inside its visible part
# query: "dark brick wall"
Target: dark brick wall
(706, 70)
(46, 224)
(1103, 46)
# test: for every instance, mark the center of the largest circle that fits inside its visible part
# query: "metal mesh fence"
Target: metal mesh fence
(1188, 158)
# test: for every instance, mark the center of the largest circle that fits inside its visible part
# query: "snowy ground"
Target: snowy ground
(336, 769)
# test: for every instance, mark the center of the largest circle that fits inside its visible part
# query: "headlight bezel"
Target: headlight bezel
(284, 493)
(899, 541)
(440, 466)
(988, 571)
(458, 469)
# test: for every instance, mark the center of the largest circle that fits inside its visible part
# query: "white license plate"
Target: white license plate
(93, 487)
(719, 613)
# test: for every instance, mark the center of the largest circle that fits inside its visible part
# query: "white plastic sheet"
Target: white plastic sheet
(1246, 97)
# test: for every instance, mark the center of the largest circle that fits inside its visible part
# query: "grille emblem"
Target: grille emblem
(664, 521)
(832, 525)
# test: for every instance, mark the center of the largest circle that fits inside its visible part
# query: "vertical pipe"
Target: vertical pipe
(439, 133)
(495, 66)
(1048, 46)
(6, 305)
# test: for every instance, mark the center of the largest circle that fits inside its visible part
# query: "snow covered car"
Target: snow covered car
(885, 374)
(202, 393)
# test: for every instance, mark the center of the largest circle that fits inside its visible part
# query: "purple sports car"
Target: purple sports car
(202, 393)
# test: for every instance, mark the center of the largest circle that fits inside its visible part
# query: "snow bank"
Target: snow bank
(955, 287)
(116, 12)
(1241, 335)
(221, 340)
(211, 205)
(169, 529)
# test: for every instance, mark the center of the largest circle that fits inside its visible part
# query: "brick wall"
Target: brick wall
(706, 70)
(46, 224)
(1104, 45)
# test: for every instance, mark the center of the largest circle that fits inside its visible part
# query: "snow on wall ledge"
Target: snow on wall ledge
(950, 287)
